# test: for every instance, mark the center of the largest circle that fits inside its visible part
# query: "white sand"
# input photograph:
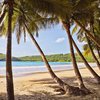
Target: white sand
(40, 86)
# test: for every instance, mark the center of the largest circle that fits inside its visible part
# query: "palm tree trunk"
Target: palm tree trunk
(78, 75)
(9, 75)
(67, 88)
(98, 51)
(97, 48)
(93, 55)
(86, 63)
(96, 41)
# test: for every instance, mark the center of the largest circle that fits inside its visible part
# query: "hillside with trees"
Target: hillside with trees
(50, 58)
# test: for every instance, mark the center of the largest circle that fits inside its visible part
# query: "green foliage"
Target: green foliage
(2, 56)
(57, 58)
(50, 58)
(74, 29)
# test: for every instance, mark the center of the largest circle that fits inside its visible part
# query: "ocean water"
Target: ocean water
(27, 67)
(30, 63)
(21, 67)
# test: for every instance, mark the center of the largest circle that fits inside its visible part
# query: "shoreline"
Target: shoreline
(21, 71)
(44, 72)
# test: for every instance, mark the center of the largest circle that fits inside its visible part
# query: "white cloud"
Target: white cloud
(59, 40)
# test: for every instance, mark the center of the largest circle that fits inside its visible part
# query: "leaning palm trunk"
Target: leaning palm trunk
(67, 88)
(98, 51)
(78, 75)
(91, 50)
(9, 76)
(97, 48)
(96, 41)
(86, 63)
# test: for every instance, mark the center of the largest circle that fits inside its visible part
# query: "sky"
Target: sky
(52, 41)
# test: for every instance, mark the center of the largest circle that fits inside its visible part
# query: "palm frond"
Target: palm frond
(74, 29)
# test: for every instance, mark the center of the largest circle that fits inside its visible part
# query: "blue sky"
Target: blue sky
(52, 41)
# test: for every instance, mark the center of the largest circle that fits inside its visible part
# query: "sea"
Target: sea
(28, 67)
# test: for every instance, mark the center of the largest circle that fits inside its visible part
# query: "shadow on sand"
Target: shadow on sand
(44, 95)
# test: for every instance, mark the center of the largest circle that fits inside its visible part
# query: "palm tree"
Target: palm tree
(96, 31)
(65, 87)
(78, 75)
(9, 75)
(86, 63)
(77, 72)
(92, 29)
(82, 36)
(91, 50)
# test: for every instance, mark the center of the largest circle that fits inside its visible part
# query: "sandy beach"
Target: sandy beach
(40, 86)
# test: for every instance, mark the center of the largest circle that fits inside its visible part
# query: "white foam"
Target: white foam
(31, 69)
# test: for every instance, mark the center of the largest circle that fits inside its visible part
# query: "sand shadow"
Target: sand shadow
(44, 95)
(89, 82)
